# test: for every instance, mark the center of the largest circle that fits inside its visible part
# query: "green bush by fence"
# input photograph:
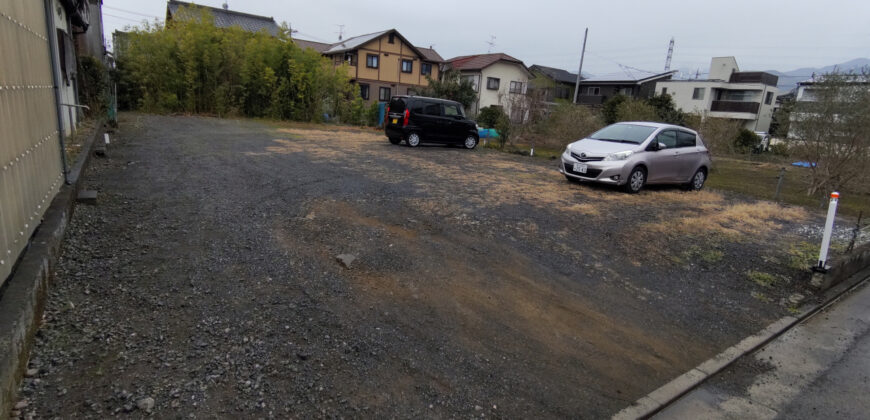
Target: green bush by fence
(193, 66)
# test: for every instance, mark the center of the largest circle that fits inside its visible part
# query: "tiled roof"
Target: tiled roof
(227, 18)
(629, 75)
(316, 46)
(353, 43)
(480, 61)
(431, 55)
(558, 75)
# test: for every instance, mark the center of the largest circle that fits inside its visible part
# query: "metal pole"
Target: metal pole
(779, 184)
(55, 78)
(829, 229)
(580, 70)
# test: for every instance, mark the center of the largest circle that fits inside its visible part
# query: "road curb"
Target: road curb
(657, 400)
(22, 303)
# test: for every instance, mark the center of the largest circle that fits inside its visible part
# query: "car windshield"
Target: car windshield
(624, 133)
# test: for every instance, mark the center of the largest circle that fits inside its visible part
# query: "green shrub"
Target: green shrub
(746, 141)
(779, 149)
(92, 84)
(610, 109)
(503, 126)
(192, 66)
(489, 116)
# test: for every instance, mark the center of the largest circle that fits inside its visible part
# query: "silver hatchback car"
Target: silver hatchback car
(633, 154)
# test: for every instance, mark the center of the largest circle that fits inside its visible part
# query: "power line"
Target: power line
(125, 18)
(130, 11)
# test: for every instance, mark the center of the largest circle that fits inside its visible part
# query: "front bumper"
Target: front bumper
(608, 172)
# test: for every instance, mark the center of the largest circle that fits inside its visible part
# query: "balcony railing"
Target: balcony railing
(735, 106)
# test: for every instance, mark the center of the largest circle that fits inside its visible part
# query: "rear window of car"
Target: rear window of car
(397, 105)
(452, 110)
(623, 132)
(432, 108)
(685, 139)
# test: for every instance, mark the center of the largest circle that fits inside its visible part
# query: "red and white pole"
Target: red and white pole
(829, 230)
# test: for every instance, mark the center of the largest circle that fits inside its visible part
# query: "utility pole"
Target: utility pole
(670, 55)
(491, 43)
(580, 70)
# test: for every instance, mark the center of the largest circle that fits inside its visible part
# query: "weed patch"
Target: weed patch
(761, 278)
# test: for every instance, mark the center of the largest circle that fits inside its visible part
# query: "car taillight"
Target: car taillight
(407, 114)
(387, 116)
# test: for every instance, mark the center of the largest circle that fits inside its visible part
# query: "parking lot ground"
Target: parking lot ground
(207, 279)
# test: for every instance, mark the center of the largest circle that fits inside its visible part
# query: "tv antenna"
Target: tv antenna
(491, 43)
(670, 55)
(340, 32)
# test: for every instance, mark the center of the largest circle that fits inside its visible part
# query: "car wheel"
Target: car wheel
(413, 140)
(636, 180)
(698, 179)
(395, 140)
(470, 142)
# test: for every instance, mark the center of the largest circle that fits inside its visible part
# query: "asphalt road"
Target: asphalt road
(818, 369)
(205, 282)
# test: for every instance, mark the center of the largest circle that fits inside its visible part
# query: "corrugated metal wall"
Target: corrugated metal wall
(30, 166)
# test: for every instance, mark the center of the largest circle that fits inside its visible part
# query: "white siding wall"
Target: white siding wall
(506, 73)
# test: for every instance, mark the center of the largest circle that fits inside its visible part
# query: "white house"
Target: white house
(498, 79)
(727, 93)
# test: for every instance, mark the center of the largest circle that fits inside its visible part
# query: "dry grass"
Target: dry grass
(700, 213)
(734, 221)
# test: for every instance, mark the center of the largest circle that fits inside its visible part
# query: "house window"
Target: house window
(593, 91)
(407, 66)
(384, 94)
(516, 87)
(372, 61)
(471, 79)
(392, 39)
(698, 93)
(492, 83)
(562, 93)
(625, 91)
(768, 98)
(350, 58)
(664, 91)
(425, 69)
(364, 91)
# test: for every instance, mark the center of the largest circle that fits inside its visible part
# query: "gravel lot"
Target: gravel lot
(206, 281)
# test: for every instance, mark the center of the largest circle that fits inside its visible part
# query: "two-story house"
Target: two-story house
(552, 84)
(498, 79)
(728, 93)
(382, 64)
(596, 90)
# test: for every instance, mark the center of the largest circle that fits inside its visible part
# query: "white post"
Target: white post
(829, 229)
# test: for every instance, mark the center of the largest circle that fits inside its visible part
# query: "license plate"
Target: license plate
(395, 120)
(580, 168)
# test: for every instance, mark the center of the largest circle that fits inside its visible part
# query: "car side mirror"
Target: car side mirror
(654, 146)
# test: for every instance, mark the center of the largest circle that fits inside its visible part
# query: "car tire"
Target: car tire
(395, 140)
(697, 181)
(413, 140)
(636, 180)
(470, 142)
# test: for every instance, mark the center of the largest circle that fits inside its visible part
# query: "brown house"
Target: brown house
(382, 64)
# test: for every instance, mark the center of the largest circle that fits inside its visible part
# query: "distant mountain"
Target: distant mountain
(788, 80)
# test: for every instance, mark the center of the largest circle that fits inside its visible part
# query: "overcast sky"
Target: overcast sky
(762, 34)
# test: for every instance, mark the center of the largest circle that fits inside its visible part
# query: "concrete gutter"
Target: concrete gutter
(22, 303)
(657, 400)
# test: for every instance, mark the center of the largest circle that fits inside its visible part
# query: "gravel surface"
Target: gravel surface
(239, 269)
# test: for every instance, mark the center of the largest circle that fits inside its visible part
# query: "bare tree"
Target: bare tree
(830, 129)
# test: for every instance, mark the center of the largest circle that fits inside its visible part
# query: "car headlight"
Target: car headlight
(619, 155)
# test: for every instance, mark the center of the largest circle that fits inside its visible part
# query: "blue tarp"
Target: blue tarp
(804, 164)
(487, 133)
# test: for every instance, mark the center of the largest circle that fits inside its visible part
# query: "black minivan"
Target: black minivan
(418, 119)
